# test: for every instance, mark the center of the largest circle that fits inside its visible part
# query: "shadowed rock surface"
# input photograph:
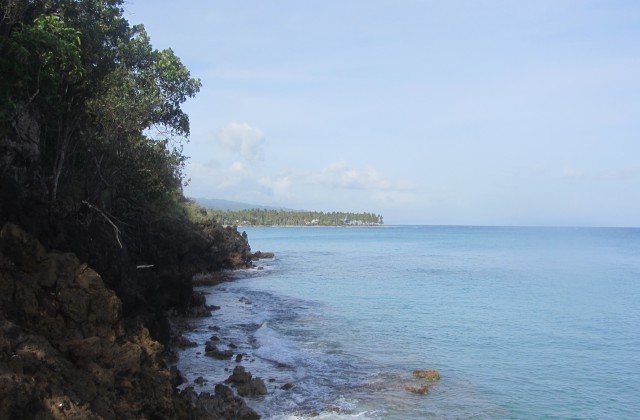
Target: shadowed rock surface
(67, 351)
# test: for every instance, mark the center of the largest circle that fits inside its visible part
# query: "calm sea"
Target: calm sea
(520, 322)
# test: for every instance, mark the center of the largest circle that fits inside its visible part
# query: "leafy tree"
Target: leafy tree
(107, 104)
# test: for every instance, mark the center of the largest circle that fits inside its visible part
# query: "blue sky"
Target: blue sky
(428, 112)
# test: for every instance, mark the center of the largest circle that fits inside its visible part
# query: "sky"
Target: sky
(454, 112)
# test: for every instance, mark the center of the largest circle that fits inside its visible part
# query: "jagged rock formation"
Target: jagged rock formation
(66, 350)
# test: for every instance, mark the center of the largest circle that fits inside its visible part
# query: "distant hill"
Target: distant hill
(218, 204)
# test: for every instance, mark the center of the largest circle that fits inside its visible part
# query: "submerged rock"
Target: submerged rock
(429, 375)
(421, 389)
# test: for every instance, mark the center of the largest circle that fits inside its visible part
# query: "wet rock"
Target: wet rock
(262, 255)
(198, 307)
(245, 300)
(239, 376)
(421, 389)
(225, 405)
(213, 328)
(212, 350)
(176, 377)
(287, 386)
(255, 387)
(238, 358)
(184, 343)
(429, 375)
(199, 380)
(214, 338)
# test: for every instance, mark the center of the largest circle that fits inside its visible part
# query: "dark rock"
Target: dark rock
(287, 386)
(210, 346)
(213, 328)
(212, 350)
(78, 361)
(199, 380)
(238, 358)
(225, 405)
(245, 300)
(176, 377)
(262, 255)
(255, 387)
(239, 376)
(185, 343)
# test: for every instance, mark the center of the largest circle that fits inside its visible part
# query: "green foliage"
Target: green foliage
(264, 217)
(107, 104)
(40, 62)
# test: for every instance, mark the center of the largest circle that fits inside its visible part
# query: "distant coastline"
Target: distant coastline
(272, 217)
(312, 226)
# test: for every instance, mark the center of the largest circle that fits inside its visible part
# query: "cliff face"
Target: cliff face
(148, 263)
(66, 352)
(78, 344)
(64, 348)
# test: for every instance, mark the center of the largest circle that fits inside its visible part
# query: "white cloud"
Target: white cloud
(341, 175)
(238, 167)
(279, 185)
(242, 139)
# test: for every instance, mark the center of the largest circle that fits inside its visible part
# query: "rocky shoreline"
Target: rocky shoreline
(68, 351)
(240, 383)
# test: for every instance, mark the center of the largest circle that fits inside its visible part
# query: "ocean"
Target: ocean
(520, 322)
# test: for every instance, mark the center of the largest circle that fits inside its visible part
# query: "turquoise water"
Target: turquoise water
(520, 322)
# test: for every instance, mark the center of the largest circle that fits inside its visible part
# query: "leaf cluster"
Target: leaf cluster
(101, 104)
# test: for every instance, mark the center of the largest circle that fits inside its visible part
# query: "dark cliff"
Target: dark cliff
(84, 297)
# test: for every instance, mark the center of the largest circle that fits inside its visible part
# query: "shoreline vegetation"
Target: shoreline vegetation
(98, 248)
(262, 217)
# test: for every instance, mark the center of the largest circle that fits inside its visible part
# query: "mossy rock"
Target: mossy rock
(420, 390)
(429, 375)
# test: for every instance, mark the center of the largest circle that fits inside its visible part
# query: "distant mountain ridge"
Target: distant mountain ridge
(219, 204)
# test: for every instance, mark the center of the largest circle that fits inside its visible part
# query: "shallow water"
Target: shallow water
(520, 322)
